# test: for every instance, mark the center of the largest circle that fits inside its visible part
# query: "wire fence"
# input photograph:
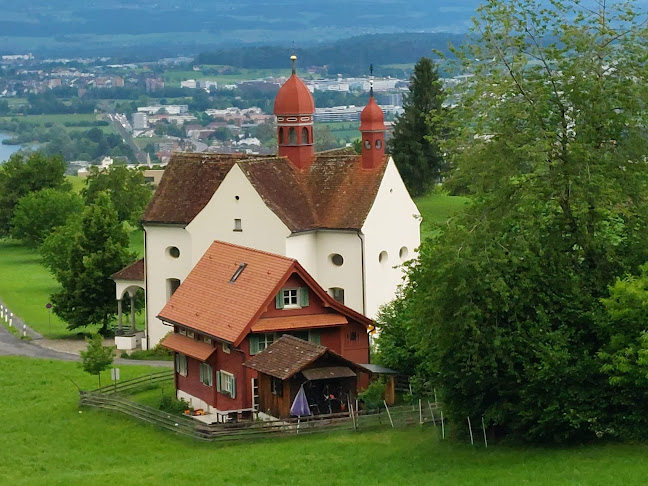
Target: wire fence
(113, 398)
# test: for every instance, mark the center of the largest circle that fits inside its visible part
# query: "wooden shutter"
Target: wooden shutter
(314, 337)
(218, 381)
(254, 344)
(232, 380)
(279, 300)
(303, 296)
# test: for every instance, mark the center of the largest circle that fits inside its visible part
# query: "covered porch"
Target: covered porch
(128, 282)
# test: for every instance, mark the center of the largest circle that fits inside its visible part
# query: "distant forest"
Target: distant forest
(350, 57)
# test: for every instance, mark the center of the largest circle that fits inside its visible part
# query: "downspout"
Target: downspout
(364, 277)
(146, 306)
(245, 373)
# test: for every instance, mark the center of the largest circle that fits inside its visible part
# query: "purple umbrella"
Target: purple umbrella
(300, 406)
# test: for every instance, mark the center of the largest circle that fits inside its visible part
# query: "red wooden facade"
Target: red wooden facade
(227, 385)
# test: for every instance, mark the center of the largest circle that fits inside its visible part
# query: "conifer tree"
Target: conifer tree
(414, 145)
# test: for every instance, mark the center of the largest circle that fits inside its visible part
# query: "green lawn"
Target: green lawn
(77, 183)
(437, 208)
(45, 440)
(26, 286)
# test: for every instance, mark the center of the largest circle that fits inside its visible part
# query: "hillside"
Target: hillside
(66, 26)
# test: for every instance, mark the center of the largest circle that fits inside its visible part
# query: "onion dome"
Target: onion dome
(372, 118)
(293, 97)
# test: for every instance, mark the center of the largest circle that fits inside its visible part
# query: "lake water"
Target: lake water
(7, 150)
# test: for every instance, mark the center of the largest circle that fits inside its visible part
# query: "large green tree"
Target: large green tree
(21, 175)
(37, 214)
(418, 130)
(99, 248)
(551, 138)
(128, 190)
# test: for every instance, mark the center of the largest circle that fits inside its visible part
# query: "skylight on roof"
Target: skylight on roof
(238, 272)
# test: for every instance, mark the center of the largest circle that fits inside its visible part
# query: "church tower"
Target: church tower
(372, 127)
(294, 107)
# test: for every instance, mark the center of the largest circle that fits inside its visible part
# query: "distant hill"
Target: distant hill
(172, 27)
(349, 56)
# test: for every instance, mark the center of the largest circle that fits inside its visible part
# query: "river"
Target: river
(7, 150)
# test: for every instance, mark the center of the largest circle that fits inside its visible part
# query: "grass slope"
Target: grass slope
(437, 208)
(26, 286)
(47, 441)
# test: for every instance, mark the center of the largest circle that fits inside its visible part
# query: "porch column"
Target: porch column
(119, 317)
(132, 312)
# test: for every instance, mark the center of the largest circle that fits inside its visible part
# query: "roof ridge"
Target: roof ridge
(255, 250)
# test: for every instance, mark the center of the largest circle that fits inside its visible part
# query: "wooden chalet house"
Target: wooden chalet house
(235, 303)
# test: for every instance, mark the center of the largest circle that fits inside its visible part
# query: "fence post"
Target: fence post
(420, 413)
(472, 442)
(24, 330)
(442, 425)
(389, 414)
(432, 413)
(484, 429)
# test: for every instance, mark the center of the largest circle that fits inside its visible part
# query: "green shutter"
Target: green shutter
(218, 381)
(314, 337)
(254, 344)
(279, 300)
(303, 296)
(232, 386)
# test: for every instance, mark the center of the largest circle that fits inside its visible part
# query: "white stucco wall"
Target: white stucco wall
(314, 249)
(160, 266)
(393, 223)
(261, 228)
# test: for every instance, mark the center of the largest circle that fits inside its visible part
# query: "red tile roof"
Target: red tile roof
(134, 271)
(335, 192)
(299, 322)
(190, 347)
(206, 300)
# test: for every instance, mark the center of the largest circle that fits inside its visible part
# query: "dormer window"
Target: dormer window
(292, 298)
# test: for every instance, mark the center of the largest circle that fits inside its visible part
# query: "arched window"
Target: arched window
(304, 139)
(292, 136)
(281, 136)
(172, 286)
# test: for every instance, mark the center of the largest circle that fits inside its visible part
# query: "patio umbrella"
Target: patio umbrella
(300, 406)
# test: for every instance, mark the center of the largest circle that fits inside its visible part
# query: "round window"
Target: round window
(382, 258)
(378, 144)
(337, 259)
(173, 251)
(367, 144)
(403, 253)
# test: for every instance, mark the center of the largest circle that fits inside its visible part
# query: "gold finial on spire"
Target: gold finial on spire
(371, 80)
(293, 58)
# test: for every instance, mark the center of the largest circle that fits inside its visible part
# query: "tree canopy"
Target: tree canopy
(99, 248)
(21, 175)
(549, 136)
(127, 188)
(415, 142)
(37, 214)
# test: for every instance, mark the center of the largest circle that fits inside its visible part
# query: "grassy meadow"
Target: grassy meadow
(46, 440)
(437, 208)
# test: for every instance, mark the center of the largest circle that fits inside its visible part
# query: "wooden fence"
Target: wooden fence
(108, 399)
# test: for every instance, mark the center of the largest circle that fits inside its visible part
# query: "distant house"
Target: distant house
(235, 303)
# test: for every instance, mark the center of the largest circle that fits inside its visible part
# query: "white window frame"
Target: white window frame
(290, 298)
(227, 380)
(208, 340)
(206, 374)
(226, 348)
(183, 331)
(181, 364)
(190, 334)
(266, 339)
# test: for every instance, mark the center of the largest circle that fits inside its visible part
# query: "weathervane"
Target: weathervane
(371, 80)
